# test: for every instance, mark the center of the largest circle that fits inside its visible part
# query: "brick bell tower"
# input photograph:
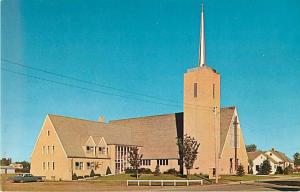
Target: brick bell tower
(202, 110)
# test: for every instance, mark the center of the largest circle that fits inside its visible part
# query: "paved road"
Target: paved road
(274, 185)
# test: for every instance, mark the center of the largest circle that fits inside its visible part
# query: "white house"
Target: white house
(257, 158)
(7, 170)
(280, 158)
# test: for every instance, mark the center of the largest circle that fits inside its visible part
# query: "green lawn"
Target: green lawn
(146, 177)
(230, 178)
(295, 175)
(121, 179)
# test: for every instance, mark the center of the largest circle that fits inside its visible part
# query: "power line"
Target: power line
(99, 85)
(88, 89)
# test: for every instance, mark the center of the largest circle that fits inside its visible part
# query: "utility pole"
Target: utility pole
(216, 146)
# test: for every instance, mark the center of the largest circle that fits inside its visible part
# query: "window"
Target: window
(88, 165)
(44, 165)
(43, 149)
(53, 166)
(101, 150)
(89, 149)
(79, 165)
(48, 150)
(213, 91)
(48, 133)
(48, 167)
(146, 162)
(195, 90)
(52, 149)
(162, 162)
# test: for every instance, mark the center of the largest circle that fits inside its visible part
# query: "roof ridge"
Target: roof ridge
(75, 118)
(148, 116)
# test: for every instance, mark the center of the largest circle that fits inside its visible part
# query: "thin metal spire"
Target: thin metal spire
(201, 61)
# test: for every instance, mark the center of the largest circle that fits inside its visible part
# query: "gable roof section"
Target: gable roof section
(254, 154)
(74, 133)
(225, 120)
(282, 156)
(157, 134)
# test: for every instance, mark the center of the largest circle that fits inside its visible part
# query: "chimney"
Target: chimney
(101, 119)
(273, 149)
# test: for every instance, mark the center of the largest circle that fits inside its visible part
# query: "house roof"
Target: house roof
(157, 134)
(271, 159)
(253, 155)
(282, 156)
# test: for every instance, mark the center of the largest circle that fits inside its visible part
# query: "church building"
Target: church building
(67, 146)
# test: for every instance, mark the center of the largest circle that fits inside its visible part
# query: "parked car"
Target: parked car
(26, 177)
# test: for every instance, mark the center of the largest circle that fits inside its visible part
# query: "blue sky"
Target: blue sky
(145, 47)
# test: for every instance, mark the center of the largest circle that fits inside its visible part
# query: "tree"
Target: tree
(5, 161)
(251, 148)
(250, 166)
(265, 168)
(135, 159)
(157, 170)
(26, 166)
(279, 170)
(188, 151)
(240, 170)
(296, 159)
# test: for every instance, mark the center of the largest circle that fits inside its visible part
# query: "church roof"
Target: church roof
(74, 133)
(156, 134)
(225, 120)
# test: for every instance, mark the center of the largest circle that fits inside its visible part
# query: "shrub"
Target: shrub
(145, 171)
(240, 170)
(171, 171)
(74, 176)
(157, 170)
(79, 177)
(288, 170)
(92, 174)
(98, 175)
(86, 176)
(130, 171)
(108, 171)
(279, 170)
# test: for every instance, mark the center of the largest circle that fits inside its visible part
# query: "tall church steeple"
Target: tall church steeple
(201, 61)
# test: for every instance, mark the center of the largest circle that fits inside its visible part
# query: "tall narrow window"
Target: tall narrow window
(195, 90)
(213, 91)
(53, 165)
(48, 133)
(44, 165)
(52, 149)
